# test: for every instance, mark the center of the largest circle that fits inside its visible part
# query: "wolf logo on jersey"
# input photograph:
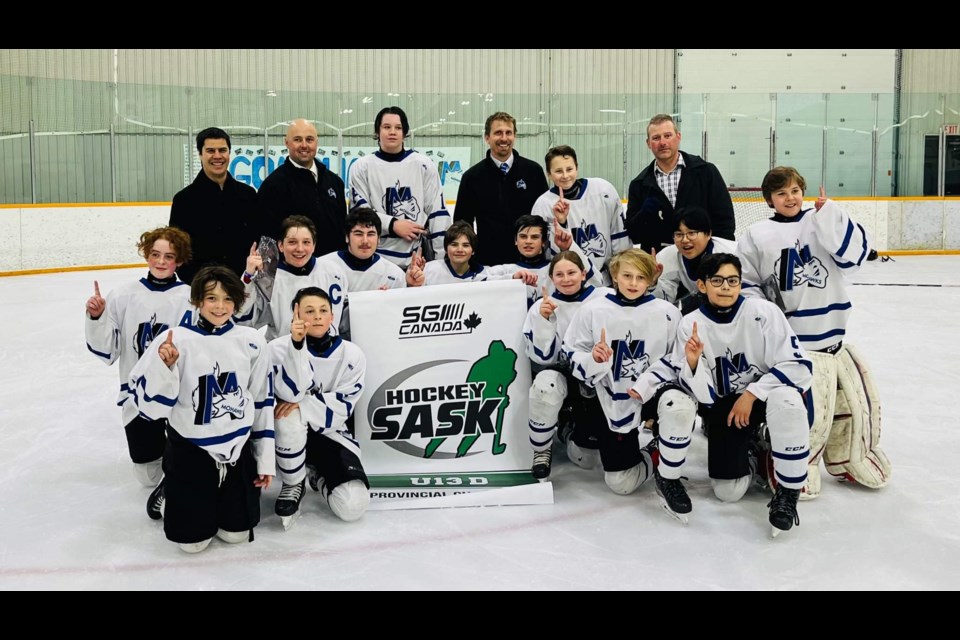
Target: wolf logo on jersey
(630, 360)
(146, 332)
(590, 240)
(399, 202)
(734, 372)
(796, 265)
(216, 395)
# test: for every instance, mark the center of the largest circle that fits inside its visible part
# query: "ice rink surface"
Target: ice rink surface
(72, 514)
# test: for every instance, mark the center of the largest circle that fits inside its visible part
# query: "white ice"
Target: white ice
(72, 514)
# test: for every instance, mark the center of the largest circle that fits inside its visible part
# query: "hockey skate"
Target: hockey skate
(783, 510)
(541, 464)
(288, 503)
(673, 497)
(156, 501)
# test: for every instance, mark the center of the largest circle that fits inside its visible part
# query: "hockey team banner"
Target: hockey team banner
(443, 418)
(249, 165)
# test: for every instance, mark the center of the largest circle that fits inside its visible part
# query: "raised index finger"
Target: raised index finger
(296, 311)
(170, 338)
(253, 249)
(96, 288)
(603, 335)
(694, 335)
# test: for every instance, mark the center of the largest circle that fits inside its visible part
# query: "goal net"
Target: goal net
(749, 206)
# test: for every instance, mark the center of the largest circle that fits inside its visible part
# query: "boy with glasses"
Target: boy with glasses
(693, 240)
(745, 366)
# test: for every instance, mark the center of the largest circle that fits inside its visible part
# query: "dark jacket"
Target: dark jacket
(221, 223)
(290, 190)
(495, 200)
(650, 218)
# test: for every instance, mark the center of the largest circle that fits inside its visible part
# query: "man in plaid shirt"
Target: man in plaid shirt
(673, 180)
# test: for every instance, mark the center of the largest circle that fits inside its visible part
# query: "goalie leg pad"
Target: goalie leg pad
(824, 395)
(852, 450)
(547, 392)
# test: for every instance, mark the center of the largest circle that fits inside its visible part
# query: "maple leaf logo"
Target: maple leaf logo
(473, 321)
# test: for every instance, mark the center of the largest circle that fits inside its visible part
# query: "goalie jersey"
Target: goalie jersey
(218, 394)
(642, 334)
(747, 347)
(326, 378)
(804, 261)
(404, 189)
(136, 313)
(277, 312)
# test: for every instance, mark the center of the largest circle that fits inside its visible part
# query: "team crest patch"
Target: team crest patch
(590, 239)
(399, 202)
(218, 394)
(146, 332)
(521, 184)
(331, 192)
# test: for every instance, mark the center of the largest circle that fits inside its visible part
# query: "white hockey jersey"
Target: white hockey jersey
(326, 384)
(678, 271)
(135, 314)
(542, 269)
(406, 189)
(805, 259)
(748, 347)
(277, 312)
(544, 338)
(595, 219)
(218, 394)
(367, 276)
(642, 334)
(440, 272)
(370, 275)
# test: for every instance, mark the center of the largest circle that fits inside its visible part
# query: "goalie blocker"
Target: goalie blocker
(846, 428)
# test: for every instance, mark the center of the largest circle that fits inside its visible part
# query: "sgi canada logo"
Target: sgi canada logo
(417, 419)
(430, 320)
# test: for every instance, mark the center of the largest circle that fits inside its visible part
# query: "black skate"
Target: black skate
(783, 510)
(541, 464)
(288, 503)
(155, 502)
(673, 497)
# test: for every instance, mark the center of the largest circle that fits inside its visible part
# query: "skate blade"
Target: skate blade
(774, 532)
(289, 521)
(683, 518)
